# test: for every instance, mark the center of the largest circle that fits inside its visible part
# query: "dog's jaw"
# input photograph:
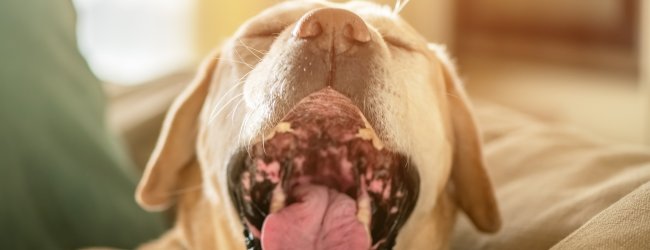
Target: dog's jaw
(325, 141)
(396, 94)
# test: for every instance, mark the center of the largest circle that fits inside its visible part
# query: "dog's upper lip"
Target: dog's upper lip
(326, 141)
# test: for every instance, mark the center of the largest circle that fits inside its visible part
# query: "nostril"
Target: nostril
(307, 28)
(337, 22)
(357, 30)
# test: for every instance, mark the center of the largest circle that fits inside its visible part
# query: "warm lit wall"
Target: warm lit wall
(578, 67)
(432, 18)
(218, 19)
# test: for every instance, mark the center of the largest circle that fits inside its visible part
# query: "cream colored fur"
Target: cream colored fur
(422, 112)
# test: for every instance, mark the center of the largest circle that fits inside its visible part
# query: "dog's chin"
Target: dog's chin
(322, 179)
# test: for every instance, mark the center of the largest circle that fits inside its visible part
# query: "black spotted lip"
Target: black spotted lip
(324, 140)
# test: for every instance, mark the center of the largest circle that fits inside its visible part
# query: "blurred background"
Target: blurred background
(581, 62)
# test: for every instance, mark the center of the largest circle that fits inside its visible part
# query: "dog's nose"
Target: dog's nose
(344, 27)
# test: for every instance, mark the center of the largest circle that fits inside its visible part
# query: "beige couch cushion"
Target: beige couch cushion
(551, 180)
(624, 225)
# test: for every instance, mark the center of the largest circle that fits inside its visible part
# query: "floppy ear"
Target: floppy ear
(176, 146)
(470, 183)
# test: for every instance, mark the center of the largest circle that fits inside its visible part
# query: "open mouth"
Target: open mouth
(322, 180)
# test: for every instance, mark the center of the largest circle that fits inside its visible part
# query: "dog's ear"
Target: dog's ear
(470, 182)
(176, 146)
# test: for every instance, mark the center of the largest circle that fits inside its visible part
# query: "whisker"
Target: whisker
(215, 114)
(237, 84)
(253, 113)
(235, 61)
(261, 52)
(249, 141)
(241, 129)
(250, 49)
(184, 190)
(263, 146)
(232, 113)
(399, 6)
(242, 59)
(240, 80)
(454, 96)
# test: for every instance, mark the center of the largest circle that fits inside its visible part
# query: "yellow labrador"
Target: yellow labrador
(320, 126)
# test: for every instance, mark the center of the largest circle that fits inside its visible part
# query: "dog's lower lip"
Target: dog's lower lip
(351, 160)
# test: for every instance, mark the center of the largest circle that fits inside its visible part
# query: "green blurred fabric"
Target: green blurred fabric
(64, 181)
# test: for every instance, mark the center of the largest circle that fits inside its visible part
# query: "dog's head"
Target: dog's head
(324, 124)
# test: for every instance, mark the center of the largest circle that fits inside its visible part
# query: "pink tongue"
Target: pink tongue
(321, 219)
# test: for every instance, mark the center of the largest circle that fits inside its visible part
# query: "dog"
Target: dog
(399, 148)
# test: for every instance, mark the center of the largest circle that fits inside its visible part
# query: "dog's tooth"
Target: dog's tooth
(282, 127)
(363, 210)
(369, 134)
(278, 199)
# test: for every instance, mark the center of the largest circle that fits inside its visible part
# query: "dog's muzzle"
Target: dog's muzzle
(322, 179)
